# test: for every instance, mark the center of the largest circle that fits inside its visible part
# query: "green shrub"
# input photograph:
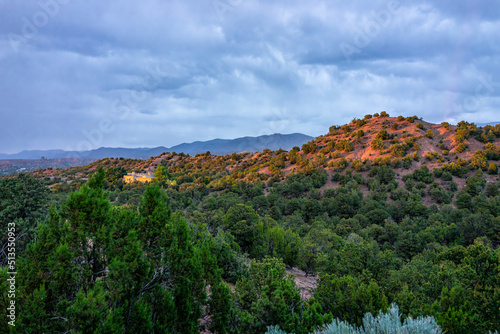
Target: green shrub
(309, 147)
(389, 322)
(429, 134)
(397, 163)
(359, 122)
(344, 145)
(446, 176)
(357, 165)
(333, 130)
(338, 164)
(478, 160)
(456, 169)
(492, 189)
(492, 152)
(384, 174)
(346, 128)
(461, 148)
(377, 144)
(384, 135)
(493, 169)
(421, 185)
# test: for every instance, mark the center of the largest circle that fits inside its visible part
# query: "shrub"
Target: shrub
(384, 114)
(384, 174)
(357, 165)
(389, 322)
(446, 125)
(310, 147)
(446, 176)
(344, 145)
(429, 156)
(461, 148)
(459, 138)
(429, 134)
(407, 161)
(401, 118)
(492, 189)
(421, 185)
(367, 117)
(397, 163)
(478, 160)
(437, 173)
(491, 151)
(339, 164)
(452, 186)
(423, 174)
(333, 130)
(420, 126)
(336, 177)
(440, 195)
(377, 144)
(493, 169)
(359, 122)
(384, 135)
(346, 128)
(399, 193)
(456, 169)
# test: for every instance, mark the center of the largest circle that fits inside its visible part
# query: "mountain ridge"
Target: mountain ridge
(216, 146)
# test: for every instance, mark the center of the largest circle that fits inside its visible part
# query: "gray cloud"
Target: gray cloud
(78, 75)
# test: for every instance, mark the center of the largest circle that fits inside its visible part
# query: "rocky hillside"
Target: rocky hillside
(402, 143)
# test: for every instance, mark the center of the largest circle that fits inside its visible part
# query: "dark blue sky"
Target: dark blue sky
(83, 74)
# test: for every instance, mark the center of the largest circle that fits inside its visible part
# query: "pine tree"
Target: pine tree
(220, 307)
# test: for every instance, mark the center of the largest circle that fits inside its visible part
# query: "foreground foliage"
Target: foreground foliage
(389, 322)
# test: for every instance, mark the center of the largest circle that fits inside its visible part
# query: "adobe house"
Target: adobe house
(141, 177)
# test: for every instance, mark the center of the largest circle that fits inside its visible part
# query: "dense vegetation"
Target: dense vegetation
(209, 243)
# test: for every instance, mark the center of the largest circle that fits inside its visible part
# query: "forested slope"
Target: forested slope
(397, 216)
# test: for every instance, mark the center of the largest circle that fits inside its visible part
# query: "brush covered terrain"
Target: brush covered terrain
(378, 212)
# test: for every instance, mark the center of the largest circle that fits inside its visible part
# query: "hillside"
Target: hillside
(384, 214)
(403, 143)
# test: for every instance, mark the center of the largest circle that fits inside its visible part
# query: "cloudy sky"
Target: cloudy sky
(80, 74)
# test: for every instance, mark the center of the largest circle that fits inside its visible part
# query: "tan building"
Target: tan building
(141, 177)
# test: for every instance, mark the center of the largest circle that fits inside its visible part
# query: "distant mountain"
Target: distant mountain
(216, 146)
(488, 123)
(244, 144)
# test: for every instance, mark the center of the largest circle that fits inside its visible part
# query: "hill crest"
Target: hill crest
(402, 143)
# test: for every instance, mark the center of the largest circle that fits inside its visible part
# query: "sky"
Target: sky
(78, 75)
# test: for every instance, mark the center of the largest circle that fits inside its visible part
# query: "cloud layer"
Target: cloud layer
(80, 75)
